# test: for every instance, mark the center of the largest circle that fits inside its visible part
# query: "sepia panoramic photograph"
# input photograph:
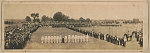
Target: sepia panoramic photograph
(74, 26)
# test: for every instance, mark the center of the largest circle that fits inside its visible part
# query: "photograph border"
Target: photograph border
(146, 43)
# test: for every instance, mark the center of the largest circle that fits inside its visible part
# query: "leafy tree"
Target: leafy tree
(65, 18)
(59, 16)
(28, 19)
(45, 18)
(37, 20)
(35, 16)
(81, 19)
(72, 20)
(88, 20)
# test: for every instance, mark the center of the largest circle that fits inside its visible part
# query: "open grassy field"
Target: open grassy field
(95, 44)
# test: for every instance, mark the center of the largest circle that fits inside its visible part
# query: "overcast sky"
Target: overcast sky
(92, 10)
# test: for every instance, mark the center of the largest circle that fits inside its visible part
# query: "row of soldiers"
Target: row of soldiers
(16, 37)
(113, 39)
(65, 39)
(90, 33)
(51, 39)
(139, 37)
(101, 36)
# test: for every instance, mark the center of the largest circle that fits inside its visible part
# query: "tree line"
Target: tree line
(58, 16)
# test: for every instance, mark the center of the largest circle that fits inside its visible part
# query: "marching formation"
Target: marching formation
(115, 40)
(139, 37)
(110, 38)
(65, 39)
(16, 37)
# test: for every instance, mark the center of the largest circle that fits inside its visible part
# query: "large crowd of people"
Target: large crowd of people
(16, 36)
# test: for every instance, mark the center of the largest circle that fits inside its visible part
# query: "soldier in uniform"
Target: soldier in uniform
(69, 38)
(111, 39)
(72, 39)
(79, 30)
(126, 35)
(115, 40)
(81, 38)
(86, 38)
(42, 39)
(130, 37)
(107, 37)
(87, 32)
(48, 39)
(57, 39)
(141, 42)
(65, 39)
(52, 39)
(99, 35)
(135, 34)
(60, 38)
(124, 43)
(78, 37)
(120, 40)
(75, 38)
(92, 33)
(137, 39)
(45, 39)
(102, 36)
